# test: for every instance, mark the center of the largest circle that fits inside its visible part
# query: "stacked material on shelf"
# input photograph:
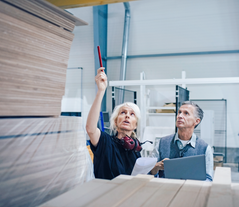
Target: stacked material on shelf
(169, 108)
(145, 190)
(35, 41)
(41, 158)
(217, 160)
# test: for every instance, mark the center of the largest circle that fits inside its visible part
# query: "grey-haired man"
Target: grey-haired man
(184, 143)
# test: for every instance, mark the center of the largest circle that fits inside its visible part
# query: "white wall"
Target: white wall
(172, 26)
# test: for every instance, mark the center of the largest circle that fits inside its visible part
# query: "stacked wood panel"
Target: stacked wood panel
(41, 158)
(145, 190)
(35, 41)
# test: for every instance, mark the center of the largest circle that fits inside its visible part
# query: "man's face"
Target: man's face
(186, 117)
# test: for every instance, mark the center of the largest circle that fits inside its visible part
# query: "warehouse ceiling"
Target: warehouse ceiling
(66, 4)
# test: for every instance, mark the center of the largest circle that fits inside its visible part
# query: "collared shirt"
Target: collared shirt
(192, 142)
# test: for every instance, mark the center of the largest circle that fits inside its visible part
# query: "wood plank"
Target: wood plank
(17, 28)
(58, 12)
(235, 194)
(34, 21)
(59, 73)
(41, 195)
(168, 188)
(13, 170)
(79, 191)
(143, 194)
(203, 195)
(78, 22)
(30, 92)
(26, 110)
(36, 180)
(30, 49)
(12, 57)
(33, 58)
(121, 178)
(31, 155)
(121, 192)
(43, 13)
(96, 194)
(221, 193)
(33, 81)
(188, 194)
(39, 125)
(84, 194)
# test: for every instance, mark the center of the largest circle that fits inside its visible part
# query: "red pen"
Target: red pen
(101, 65)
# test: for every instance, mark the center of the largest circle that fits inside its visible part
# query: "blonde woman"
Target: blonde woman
(111, 158)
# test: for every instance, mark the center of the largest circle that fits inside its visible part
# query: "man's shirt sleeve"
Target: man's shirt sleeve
(209, 163)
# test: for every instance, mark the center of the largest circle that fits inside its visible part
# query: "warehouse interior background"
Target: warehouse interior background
(165, 38)
(45, 149)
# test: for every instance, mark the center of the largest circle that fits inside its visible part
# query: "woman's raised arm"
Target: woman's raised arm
(93, 116)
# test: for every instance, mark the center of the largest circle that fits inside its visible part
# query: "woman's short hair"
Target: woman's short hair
(113, 128)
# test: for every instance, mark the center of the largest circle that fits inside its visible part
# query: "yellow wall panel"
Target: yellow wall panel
(66, 4)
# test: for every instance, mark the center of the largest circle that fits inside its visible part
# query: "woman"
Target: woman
(110, 157)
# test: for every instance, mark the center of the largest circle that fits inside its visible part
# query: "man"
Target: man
(184, 143)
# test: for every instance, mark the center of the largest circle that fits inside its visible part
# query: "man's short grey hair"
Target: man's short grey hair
(198, 112)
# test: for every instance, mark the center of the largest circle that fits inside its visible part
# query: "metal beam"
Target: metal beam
(100, 16)
(177, 54)
(191, 81)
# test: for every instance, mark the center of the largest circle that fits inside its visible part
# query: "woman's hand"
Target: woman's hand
(101, 79)
(159, 166)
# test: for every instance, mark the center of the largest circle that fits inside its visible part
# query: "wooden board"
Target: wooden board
(121, 192)
(34, 21)
(168, 188)
(189, 194)
(221, 192)
(78, 193)
(235, 194)
(143, 190)
(45, 12)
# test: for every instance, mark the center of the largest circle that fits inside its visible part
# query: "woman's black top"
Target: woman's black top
(111, 159)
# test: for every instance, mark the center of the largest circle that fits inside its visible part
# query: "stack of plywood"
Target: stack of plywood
(35, 41)
(41, 158)
(145, 190)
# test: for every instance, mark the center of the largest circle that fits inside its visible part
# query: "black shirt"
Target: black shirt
(111, 159)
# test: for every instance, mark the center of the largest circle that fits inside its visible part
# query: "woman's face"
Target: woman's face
(126, 120)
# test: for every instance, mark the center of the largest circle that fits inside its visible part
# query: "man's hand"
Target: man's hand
(159, 166)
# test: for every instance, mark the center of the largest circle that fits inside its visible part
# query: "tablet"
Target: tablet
(193, 168)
